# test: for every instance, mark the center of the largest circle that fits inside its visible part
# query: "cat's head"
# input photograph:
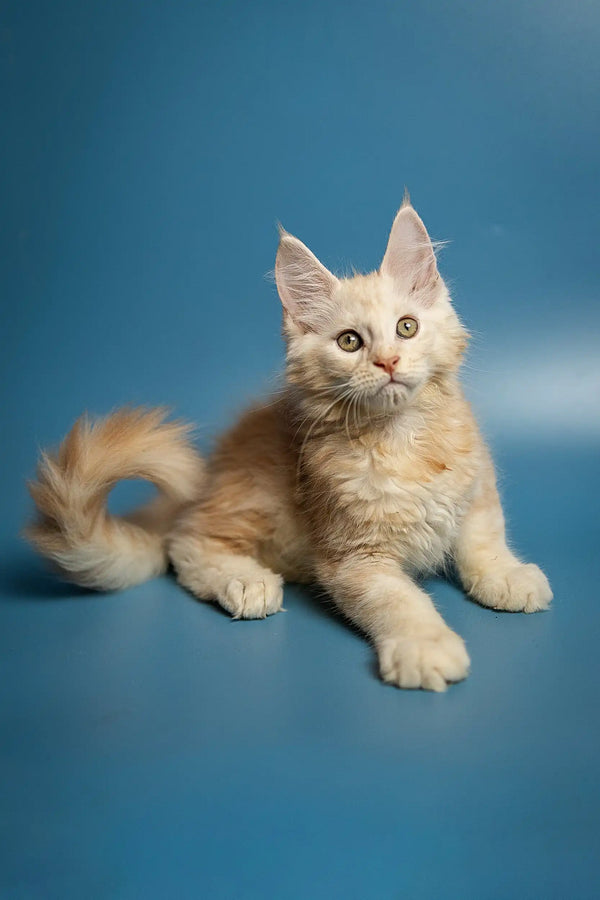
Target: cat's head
(375, 339)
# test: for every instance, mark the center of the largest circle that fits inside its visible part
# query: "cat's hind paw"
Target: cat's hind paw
(246, 598)
(520, 588)
(430, 662)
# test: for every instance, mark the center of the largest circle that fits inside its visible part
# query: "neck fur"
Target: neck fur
(335, 415)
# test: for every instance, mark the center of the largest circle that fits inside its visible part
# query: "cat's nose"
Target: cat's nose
(388, 364)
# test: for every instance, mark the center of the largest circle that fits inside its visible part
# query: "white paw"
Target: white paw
(246, 598)
(429, 661)
(520, 588)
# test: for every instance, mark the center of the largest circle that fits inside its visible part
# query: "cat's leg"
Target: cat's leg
(238, 582)
(242, 536)
(491, 574)
(416, 648)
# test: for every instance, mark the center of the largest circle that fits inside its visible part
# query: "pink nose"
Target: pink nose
(388, 365)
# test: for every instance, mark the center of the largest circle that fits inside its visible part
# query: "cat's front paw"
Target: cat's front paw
(429, 661)
(520, 588)
(246, 598)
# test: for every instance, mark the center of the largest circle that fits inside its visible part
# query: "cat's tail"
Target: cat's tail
(74, 529)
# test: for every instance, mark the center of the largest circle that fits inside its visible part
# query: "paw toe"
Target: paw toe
(433, 680)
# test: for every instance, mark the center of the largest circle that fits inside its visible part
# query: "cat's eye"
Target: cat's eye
(407, 327)
(350, 341)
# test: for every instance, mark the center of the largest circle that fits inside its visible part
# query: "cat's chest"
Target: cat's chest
(386, 483)
(411, 500)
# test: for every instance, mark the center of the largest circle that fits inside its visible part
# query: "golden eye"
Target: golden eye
(350, 341)
(407, 327)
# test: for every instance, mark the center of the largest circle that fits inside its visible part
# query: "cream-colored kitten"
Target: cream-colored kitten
(368, 470)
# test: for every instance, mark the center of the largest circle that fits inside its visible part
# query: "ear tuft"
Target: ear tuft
(305, 286)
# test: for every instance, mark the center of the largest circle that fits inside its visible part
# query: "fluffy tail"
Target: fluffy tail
(74, 529)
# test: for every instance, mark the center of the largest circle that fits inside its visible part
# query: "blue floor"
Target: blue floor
(149, 746)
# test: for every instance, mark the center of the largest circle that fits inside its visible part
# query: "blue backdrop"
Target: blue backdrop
(150, 747)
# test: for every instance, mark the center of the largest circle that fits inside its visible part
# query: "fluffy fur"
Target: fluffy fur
(366, 472)
(74, 529)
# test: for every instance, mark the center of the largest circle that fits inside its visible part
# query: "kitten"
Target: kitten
(367, 471)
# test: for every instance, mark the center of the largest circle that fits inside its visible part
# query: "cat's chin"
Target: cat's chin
(392, 396)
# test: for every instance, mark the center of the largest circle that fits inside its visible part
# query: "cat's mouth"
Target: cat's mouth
(394, 383)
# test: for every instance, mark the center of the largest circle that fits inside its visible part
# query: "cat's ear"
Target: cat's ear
(409, 258)
(305, 286)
